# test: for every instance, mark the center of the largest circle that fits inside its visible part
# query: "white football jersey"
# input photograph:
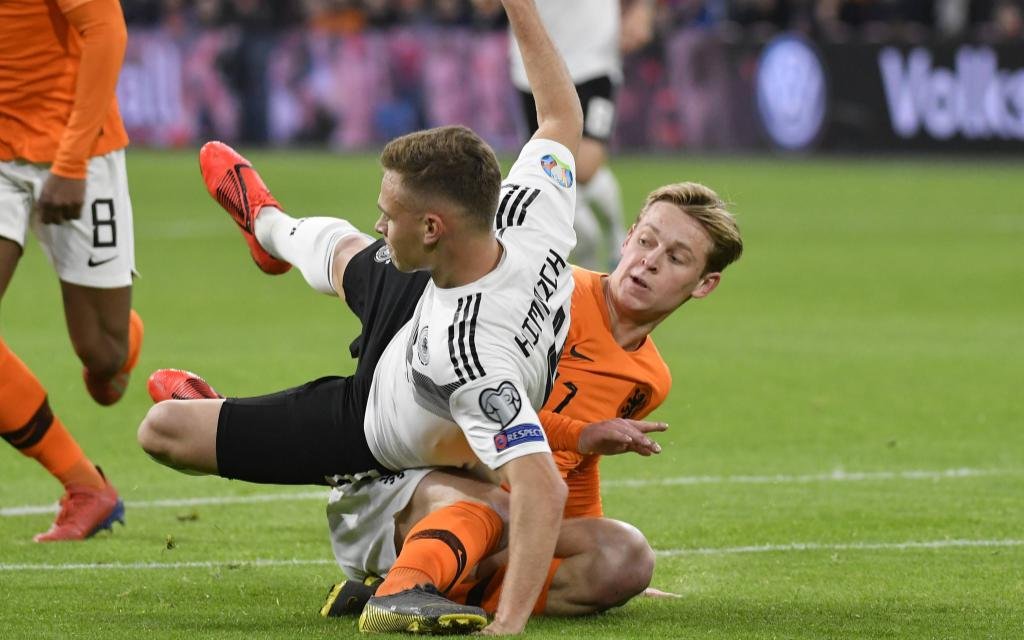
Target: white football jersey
(462, 381)
(585, 32)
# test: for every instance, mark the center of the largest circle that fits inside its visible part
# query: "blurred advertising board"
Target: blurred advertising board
(692, 90)
(938, 97)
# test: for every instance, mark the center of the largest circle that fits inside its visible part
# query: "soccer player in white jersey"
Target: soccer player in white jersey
(461, 383)
(591, 36)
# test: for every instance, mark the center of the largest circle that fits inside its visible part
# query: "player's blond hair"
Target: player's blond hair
(703, 205)
(450, 163)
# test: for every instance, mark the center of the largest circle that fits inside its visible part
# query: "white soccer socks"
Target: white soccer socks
(307, 243)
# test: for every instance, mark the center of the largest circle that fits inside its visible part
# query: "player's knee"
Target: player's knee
(157, 434)
(626, 565)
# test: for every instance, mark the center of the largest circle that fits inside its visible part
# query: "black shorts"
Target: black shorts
(309, 433)
(598, 99)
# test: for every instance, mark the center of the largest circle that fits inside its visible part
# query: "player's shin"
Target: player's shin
(443, 546)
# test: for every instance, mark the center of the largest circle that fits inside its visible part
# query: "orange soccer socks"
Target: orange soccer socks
(486, 592)
(28, 424)
(443, 546)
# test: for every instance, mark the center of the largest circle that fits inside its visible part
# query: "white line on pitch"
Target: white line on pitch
(796, 546)
(851, 546)
(181, 502)
(834, 476)
(132, 566)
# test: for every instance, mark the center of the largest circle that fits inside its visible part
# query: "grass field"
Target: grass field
(845, 459)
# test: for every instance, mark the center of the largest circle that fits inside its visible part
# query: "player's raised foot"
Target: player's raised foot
(83, 512)
(348, 597)
(107, 391)
(420, 610)
(176, 384)
(238, 188)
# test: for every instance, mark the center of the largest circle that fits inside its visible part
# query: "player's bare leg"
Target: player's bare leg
(107, 336)
(182, 434)
(605, 563)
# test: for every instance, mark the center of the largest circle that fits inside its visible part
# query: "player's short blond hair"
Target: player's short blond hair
(452, 164)
(703, 205)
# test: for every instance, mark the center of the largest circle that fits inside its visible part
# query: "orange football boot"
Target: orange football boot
(83, 512)
(238, 188)
(175, 384)
(107, 391)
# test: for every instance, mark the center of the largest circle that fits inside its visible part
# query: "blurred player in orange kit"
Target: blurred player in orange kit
(62, 173)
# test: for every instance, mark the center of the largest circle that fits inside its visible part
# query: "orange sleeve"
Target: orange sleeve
(563, 432)
(104, 38)
(584, 484)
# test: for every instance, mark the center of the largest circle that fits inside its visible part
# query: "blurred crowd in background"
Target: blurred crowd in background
(834, 19)
(352, 74)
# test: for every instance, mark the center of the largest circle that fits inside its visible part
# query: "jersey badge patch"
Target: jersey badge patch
(517, 435)
(383, 255)
(557, 170)
(502, 404)
(421, 347)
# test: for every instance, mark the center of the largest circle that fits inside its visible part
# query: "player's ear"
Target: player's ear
(433, 227)
(707, 284)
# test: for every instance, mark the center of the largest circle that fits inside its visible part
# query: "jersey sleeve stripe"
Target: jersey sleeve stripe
(464, 305)
(512, 188)
(522, 212)
(472, 334)
(451, 344)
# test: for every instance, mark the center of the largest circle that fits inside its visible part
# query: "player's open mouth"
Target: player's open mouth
(638, 282)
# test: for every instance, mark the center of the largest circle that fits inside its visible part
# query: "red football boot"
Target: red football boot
(238, 188)
(107, 391)
(175, 384)
(83, 512)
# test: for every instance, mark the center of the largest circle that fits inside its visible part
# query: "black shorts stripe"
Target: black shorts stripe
(33, 430)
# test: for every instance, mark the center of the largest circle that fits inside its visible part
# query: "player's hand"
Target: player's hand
(620, 435)
(501, 629)
(61, 199)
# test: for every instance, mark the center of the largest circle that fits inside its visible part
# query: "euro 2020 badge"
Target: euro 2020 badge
(557, 170)
(502, 404)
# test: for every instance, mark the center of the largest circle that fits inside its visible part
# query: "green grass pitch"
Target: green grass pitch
(846, 444)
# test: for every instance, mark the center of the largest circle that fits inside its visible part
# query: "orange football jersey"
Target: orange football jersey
(48, 114)
(598, 380)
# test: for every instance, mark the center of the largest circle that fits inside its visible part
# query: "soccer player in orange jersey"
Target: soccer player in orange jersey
(62, 174)
(609, 374)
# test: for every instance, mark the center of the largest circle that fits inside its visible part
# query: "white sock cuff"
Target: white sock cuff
(306, 243)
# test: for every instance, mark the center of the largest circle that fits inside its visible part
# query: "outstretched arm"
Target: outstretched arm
(537, 499)
(559, 114)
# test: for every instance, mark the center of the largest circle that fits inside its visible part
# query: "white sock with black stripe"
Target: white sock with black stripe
(307, 243)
